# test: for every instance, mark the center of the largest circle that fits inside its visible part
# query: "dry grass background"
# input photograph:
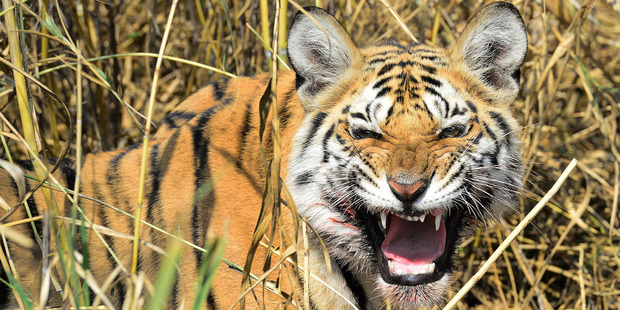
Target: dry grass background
(567, 258)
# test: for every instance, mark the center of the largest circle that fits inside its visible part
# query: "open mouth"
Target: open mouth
(415, 248)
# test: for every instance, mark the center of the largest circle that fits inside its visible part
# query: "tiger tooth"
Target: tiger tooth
(383, 220)
(422, 217)
(437, 222)
(430, 268)
(415, 218)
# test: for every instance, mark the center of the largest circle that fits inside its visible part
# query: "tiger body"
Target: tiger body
(174, 165)
(374, 141)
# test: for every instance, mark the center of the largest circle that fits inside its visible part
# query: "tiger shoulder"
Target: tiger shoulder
(392, 154)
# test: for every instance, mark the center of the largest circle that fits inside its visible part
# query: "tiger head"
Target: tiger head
(404, 146)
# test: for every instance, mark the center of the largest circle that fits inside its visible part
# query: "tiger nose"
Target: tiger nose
(407, 192)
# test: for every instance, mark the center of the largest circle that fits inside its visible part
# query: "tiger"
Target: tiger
(393, 154)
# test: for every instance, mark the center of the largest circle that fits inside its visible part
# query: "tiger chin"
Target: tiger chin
(394, 153)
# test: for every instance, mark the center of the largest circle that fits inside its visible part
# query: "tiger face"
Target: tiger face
(404, 147)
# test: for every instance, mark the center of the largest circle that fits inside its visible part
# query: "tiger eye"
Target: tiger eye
(359, 134)
(453, 131)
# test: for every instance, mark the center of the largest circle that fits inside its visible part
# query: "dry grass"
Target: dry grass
(567, 258)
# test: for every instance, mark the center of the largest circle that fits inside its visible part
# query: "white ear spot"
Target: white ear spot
(494, 45)
(320, 53)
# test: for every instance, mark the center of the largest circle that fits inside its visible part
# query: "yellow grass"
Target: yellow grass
(568, 257)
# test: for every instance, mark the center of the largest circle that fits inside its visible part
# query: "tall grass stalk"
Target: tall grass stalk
(146, 139)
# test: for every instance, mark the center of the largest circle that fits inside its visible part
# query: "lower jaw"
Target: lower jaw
(411, 279)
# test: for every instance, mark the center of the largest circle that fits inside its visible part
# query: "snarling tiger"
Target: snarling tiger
(394, 153)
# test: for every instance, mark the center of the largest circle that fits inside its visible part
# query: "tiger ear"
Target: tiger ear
(493, 47)
(320, 51)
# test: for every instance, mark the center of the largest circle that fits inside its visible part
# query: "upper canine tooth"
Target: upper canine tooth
(383, 217)
(437, 222)
(422, 217)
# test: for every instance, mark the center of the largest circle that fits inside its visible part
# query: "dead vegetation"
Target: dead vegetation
(569, 105)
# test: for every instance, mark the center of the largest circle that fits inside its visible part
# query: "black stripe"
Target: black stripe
(304, 178)
(5, 289)
(316, 123)
(376, 60)
(471, 106)
(203, 201)
(368, 108)
(328, 136)
(354, 285)
(373, 169)
(381, 82)
(501, 122)
(172, 120)
(386, 68)
(156, 174)
(155, 180)
(24, 163)
(478, 138)
(67, 170)
(446, 106)
(245, 129)
(458, 173)
(392, 43)
(422, 50)
(391, 110)
(489, 132)
(174, 300)
(340, 139)
(457, 111)
(441, 98)
(359, 115)
(67, 167)
(428, 69)
(431, 58)
(365, 176)
(411, 82)
(406, 63)
(346, 109)
(211, 301)
(202, 173)
(219, 89)
(284, 108)
(32, 206)
(384, 91)
(431, 81)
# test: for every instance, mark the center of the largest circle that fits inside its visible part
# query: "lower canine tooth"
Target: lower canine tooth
(437, 222)
(430, 268)
(383, 220)
(391, 266)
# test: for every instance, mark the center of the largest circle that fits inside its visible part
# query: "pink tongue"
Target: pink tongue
(414, 243)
